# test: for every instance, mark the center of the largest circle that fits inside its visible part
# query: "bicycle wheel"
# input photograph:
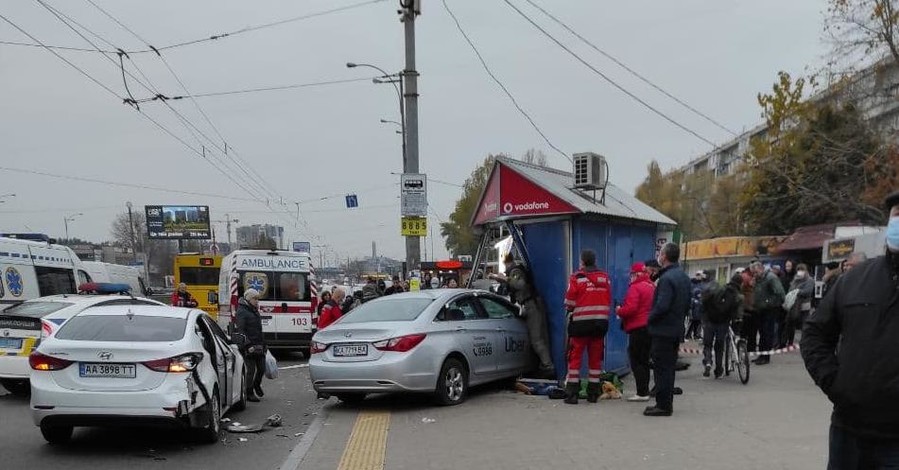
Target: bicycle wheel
(743, 361)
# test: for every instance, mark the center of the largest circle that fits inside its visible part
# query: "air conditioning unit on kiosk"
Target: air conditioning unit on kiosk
(590, 171)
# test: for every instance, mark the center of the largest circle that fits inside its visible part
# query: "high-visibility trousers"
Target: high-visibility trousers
(595, 347)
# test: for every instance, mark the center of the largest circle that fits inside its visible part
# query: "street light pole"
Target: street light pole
(133, 242)
(67, 219)
(411, 9)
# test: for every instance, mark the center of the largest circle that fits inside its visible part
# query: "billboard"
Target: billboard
(302, 247)
(178, 222)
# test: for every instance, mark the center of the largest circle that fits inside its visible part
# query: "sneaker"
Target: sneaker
(253, 398)
(638, 398)
(708, 371)
(719, 371)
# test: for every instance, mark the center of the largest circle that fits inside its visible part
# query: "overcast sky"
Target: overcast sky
(311, 143)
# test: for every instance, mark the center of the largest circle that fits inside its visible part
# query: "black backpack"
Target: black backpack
(720, 303)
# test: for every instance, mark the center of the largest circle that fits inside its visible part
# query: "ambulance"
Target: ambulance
(32, 266)
(288, 295)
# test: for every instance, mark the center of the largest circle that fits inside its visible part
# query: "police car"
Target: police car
(23, 326)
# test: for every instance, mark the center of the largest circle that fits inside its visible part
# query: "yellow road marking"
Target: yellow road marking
(367, 446)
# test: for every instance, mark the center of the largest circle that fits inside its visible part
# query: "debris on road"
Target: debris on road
(428, 420)
(244, 428)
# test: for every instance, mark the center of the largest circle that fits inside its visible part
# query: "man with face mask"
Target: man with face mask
(522, 291)
(850, 349)
(249, 326)
(804, 284)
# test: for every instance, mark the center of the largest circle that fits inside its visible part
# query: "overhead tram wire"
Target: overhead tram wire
(213, 37)
(62, 17)
(606, 77)
(233, 155)
(119, 99)
(630, 70)
(257, 90)
(501, 85)
(123, 184)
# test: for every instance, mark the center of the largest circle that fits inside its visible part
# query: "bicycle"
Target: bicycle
(736, 355)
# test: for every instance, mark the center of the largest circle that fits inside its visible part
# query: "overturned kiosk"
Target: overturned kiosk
(547, 217)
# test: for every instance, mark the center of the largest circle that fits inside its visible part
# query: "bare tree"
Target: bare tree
(860, 29)
(534, 157)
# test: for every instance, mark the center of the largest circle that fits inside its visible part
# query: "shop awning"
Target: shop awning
(808, 238)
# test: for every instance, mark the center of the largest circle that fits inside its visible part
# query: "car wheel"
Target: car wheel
(57, 434)
(211, 433)
(242, 403)
(351, 398)
(452, 384)
(19, 388)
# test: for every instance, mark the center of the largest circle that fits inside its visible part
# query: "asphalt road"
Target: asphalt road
(291, 396)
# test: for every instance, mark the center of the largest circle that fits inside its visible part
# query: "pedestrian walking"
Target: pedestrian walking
(720, 306)
(849, 347)
(249, 325)
(634, 314)
(670, 304)
(695, 325)
(520, 286)
(768, 296)
(332, 310)
(588, 301)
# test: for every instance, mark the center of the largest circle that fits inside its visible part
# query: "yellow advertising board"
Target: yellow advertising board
(731, 247)
(414, 227)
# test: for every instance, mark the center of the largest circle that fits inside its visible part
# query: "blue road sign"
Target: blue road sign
(352, 201)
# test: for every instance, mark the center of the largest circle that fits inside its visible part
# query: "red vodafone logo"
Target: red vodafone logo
(509, 208)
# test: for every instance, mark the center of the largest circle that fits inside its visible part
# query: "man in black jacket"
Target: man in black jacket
(666, 326)
(249, 324)
(850, 346)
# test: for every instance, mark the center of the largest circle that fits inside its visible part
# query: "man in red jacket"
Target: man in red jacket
(588, 301)
(331, 311)
(634, 314)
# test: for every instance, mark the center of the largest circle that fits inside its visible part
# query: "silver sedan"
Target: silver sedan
(436, 341)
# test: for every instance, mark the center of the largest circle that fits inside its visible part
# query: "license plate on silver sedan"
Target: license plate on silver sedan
(114, 371)
(350, 350)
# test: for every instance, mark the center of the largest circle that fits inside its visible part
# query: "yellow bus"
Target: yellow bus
(201, 274)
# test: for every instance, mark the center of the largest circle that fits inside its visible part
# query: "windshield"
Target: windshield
(388, 310)
(36, 309)
(199, 276)
(136, 328)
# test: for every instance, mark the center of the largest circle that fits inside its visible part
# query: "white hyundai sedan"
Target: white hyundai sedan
(138, 364)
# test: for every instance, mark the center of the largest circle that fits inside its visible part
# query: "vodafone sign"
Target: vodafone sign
(521, 196)
(509, 194)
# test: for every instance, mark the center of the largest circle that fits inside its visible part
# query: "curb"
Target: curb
(298, 454)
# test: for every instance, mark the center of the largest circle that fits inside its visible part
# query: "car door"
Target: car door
(216, 357)
(233, 361)
(513, 347)
(474, 337)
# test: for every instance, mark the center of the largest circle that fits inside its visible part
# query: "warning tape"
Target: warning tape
(773, 352)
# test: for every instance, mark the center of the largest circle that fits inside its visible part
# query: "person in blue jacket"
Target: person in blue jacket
(670, 304)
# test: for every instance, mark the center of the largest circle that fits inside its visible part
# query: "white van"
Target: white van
(118, 274)
(288, 300)
(31, 267)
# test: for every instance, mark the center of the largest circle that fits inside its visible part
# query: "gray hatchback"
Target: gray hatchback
(437, 341)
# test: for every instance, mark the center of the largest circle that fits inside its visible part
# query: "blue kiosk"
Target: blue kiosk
(552, 215)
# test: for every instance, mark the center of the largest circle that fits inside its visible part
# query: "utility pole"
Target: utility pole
(411, 9)
(133, 241)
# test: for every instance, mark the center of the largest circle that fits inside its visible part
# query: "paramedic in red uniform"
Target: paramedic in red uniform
(331, 311)
(588, 301)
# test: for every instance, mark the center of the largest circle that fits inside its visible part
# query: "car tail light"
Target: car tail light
(316, 347)
(182, 363)
(400, 344)
(38, 361)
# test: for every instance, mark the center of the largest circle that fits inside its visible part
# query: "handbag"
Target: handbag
(271, 366)
(790, 299)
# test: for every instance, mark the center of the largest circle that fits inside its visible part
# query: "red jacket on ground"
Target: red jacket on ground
(330, 313)
(589, 300)
(634, 312)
